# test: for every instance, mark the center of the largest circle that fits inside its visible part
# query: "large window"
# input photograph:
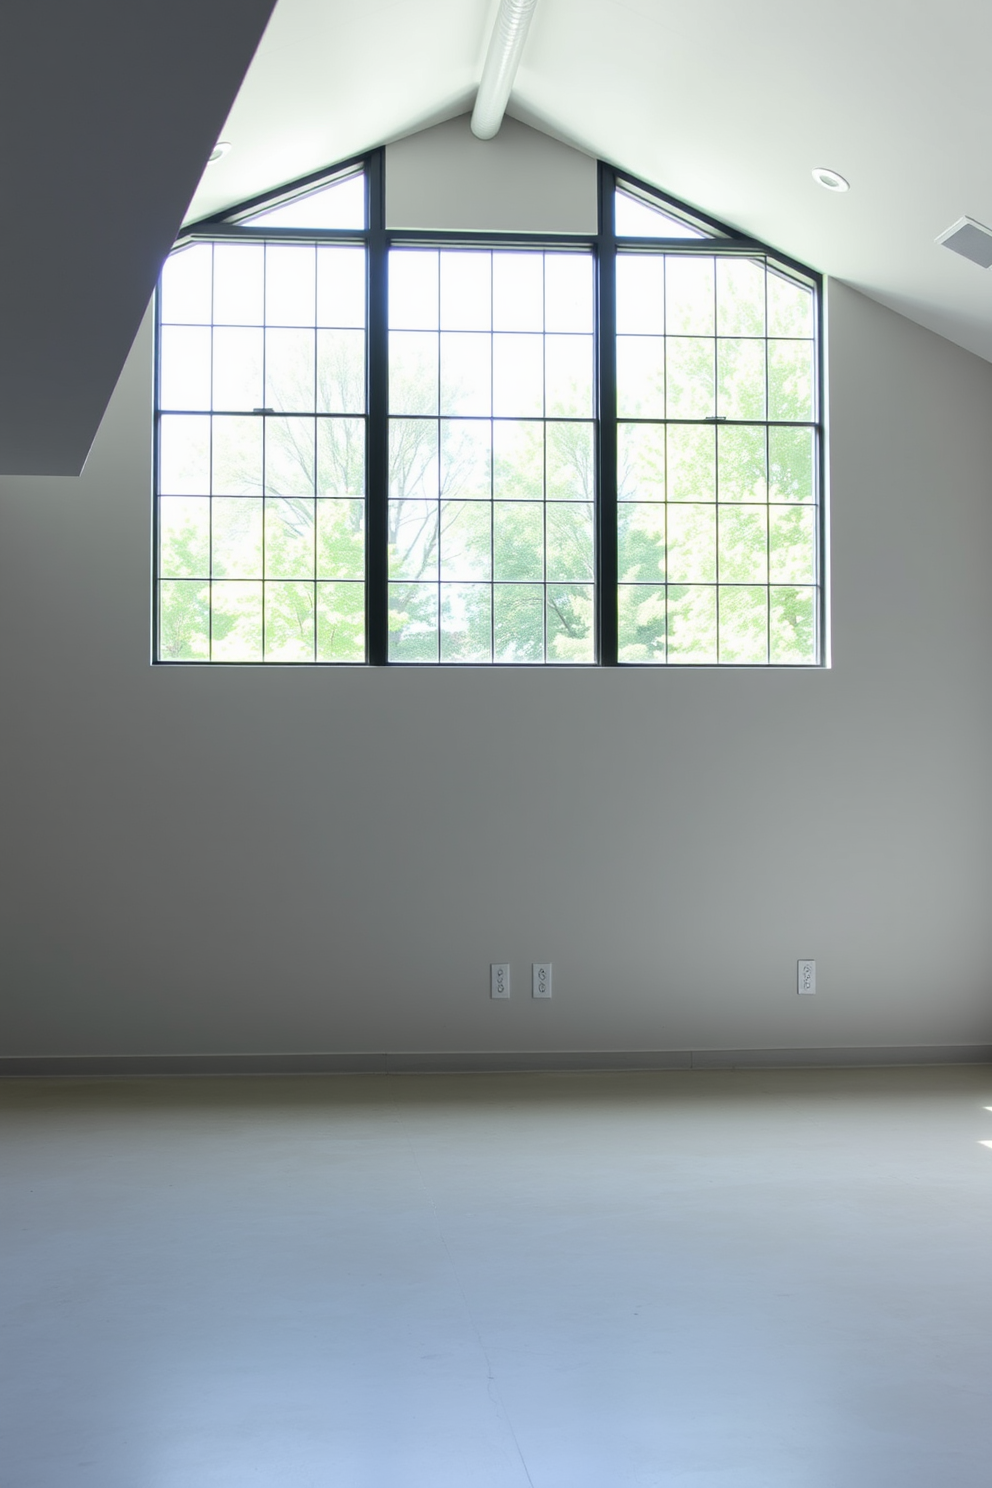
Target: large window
(433, 448)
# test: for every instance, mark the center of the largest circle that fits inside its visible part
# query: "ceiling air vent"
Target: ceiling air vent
(971, 240)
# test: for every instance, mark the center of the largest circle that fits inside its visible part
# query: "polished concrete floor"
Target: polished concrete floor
(691, 1280)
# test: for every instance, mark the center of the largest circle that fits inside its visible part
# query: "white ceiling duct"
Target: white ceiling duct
(502, 60)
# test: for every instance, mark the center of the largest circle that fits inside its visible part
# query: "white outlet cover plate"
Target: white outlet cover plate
(542, 978)
(499, 979)
(806, 977)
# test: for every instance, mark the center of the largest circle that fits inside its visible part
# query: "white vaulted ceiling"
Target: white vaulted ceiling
(727, 106)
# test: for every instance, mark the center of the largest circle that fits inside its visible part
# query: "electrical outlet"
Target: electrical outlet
(806, 977)
(542, 978)
(499, 979)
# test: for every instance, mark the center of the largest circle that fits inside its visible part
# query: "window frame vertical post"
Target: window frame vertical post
(377, 415)
(606, 437)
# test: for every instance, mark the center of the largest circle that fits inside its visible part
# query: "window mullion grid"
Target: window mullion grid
(607, 593)
(377, 422)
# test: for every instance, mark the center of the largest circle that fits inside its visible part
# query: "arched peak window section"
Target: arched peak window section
(637, 215)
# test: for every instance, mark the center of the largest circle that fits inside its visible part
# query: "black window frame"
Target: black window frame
(604, 245)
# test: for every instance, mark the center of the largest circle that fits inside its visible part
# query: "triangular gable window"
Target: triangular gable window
(637, 218)
(341, 204)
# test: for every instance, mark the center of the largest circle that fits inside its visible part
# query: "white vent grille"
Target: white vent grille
(971, 240)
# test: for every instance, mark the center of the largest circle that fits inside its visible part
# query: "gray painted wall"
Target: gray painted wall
(201, 860)
(521, 181)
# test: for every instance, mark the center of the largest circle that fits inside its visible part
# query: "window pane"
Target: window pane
(689, 373)
(637, 218)
(340, 457)
(692, 624)
(289, 538)
(413, 289)
(568, 292)
(793, 626)
(289, 370)
(518, 291)
(570, 541)
(413, 539)
(340, 286)
(341, 204)
(466, 458)
(790, 461)
(185, 367)
(184, 537)
(790, 380)
(518, 376)
(413, 622)
(238, 368)
(184, 455)
(570, 456)
(641, 543)
(340, 622)
(236, 621)
(239, 283)
(340, 539)
(183, 620)
(237, 456)
(741, 464)
(641, 622)
(570, 623)
(641, 376)
(290, 284)
(568, 376)
(340, 371)
(692, 544)
(790, 306)
(743, 551)
(690, 296)
(413, 371)
(641, 462)
(236, 549)
(466, 291)
(186, 285)
(289, 622)
(413, 462)
(691, 464)
(466, 622)
(741, 379)
(740, 297)
(792, 545)
(466, 386)
(518, 540)
(743, 625)
(466, 540)
(518, 460)
(518, 622)
(290, 456)
(641, 293)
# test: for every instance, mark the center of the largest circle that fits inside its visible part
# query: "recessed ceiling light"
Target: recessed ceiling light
(830, 179)
(219, 149)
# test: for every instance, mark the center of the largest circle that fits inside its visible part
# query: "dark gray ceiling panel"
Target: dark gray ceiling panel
(108, 111)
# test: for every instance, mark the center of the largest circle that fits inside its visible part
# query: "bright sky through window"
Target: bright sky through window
(340, 205)
(636, 218)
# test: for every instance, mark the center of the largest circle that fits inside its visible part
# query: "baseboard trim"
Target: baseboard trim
(100, 1066)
